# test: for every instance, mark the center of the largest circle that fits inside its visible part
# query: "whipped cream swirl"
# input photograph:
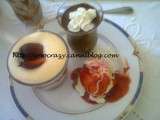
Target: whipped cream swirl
(81, 19)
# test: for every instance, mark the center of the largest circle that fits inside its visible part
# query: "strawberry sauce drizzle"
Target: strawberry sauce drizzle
(119, 90)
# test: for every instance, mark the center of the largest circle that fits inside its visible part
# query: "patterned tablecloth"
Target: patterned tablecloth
(143, 26)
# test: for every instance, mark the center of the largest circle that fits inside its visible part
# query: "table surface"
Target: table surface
(143, 26)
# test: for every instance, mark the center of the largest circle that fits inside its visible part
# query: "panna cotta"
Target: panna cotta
(32, 60)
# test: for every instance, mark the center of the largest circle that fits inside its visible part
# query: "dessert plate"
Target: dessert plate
(64, 102)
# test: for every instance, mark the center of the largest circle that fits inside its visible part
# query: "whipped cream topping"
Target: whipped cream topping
(99, 100)
(81, 19)
(79, 87)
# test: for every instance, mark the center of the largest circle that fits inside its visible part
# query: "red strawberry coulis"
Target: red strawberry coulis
(121, 82)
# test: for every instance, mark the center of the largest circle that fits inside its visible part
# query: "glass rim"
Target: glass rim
(62, 71)
(83, 32)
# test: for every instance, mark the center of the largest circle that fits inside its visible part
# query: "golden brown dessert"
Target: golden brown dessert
(32, 55)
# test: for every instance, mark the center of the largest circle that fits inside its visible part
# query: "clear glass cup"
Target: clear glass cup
(28, 11)
(80, 41)
(47, 84)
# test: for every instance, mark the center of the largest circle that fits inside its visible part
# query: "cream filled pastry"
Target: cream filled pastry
(93, 81)
(97, 83)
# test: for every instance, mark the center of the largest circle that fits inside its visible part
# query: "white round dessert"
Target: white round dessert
(51, 68)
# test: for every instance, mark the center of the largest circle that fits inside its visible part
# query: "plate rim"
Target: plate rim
(128, 108)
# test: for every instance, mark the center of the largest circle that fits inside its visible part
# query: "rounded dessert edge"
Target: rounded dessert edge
(40, 83)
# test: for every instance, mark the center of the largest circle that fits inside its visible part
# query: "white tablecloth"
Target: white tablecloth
(143, 26)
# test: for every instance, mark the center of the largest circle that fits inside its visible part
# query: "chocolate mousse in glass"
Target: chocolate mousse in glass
(80, 40)
(32, 60)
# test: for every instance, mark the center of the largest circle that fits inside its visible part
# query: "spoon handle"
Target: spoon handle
(121, 10)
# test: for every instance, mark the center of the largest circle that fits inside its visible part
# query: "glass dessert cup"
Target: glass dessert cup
(47, 84)
(29, 12)
(81, 41)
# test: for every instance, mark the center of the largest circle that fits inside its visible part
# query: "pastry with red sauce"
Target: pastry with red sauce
(93, 81)
(97, 84)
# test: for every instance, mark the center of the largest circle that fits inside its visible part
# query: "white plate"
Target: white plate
(30, 105)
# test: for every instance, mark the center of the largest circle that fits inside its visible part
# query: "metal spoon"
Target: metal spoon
(120, 10)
